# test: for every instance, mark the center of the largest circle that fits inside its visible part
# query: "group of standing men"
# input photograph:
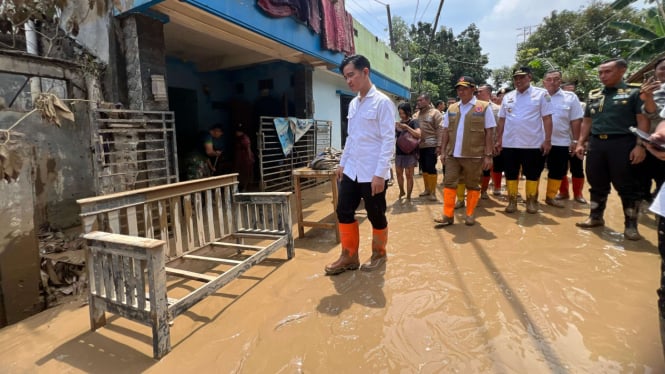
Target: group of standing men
(547, 126)
(532, 127)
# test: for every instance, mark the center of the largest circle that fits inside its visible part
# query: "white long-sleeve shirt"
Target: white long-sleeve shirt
(371, 137)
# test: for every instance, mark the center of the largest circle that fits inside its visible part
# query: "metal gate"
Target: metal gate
(275, 168)
(133, 149)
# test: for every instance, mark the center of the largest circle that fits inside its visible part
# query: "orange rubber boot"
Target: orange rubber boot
(379, 257)
(348, 260)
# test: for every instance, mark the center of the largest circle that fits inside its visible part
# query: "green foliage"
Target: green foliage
(437, 62)
(576, 42)
(502, 77)
(643, 39)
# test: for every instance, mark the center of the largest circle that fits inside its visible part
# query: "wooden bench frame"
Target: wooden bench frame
(133, 236)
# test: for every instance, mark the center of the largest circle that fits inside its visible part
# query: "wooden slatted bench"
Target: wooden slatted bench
(138, 239)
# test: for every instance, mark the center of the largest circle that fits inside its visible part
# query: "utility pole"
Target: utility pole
(390, 25)
(525, 32)
(390, 28)
(436, 22)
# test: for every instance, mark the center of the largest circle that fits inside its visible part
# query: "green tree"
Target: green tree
(467, 58)
(502, 77)
(644, 39)
(575, 42)
(438, 61)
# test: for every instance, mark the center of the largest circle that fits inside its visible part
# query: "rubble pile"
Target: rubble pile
(62, 264)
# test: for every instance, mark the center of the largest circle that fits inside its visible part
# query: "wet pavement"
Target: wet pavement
(516, 293)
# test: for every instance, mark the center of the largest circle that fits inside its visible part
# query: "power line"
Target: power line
(425, 11)
(429, 45)
(543, 53)
(464, 62)
(372, 17)
(415, 14)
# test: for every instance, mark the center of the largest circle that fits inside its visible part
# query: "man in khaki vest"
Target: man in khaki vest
(429, 120)
(466, 142)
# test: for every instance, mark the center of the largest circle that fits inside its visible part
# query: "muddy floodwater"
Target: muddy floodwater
(518, 293)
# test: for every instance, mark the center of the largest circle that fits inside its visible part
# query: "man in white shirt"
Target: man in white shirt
(524, 136)
(566, 122)
(364, 167)
(466, 148)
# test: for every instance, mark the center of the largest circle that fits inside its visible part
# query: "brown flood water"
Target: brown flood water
(516, 293)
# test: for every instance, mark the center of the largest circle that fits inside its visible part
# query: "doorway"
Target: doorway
(184, 103)
(344, 101)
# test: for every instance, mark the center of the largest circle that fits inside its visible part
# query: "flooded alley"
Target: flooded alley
(516, 293)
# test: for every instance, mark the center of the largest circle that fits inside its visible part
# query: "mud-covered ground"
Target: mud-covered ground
(516, 293)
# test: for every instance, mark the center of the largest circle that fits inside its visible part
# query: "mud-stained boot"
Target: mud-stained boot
(425, 185)
(595, 218)
(511, 186)
(550, 196)
(661, 293)
(432, 187)
(461, 188)
(531, 188)
(563, 190)
(448, 208)
(379, 242)
(496, 183)
(630, 213)
(484, 185)
(578, 185)
(662, 332)
(472, 197)
(348, 260)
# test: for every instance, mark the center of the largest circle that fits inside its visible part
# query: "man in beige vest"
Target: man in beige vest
(466, 142)
(429, 120)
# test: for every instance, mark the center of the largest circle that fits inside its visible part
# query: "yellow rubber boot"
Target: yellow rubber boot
(432, 186)
(461, 188)
(531, 190)
(425, 184)
(511, 187)
(553, 186)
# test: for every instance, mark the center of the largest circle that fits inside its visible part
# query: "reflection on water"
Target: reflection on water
(516, 293)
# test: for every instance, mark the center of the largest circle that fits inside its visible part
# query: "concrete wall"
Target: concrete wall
(19, 253)
(143, 40)
(63, 167)
(326, 101)
(382, 58)
(93, 26)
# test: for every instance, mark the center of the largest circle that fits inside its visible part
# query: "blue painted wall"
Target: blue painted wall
(287, 31)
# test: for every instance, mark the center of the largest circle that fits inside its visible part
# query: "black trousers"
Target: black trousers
(497, 165)
(428, 160)
(350, 193)
(608, 164)
(661, 249)
(557, 162)
(576, 166)
(531, 161)
(651, 169)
